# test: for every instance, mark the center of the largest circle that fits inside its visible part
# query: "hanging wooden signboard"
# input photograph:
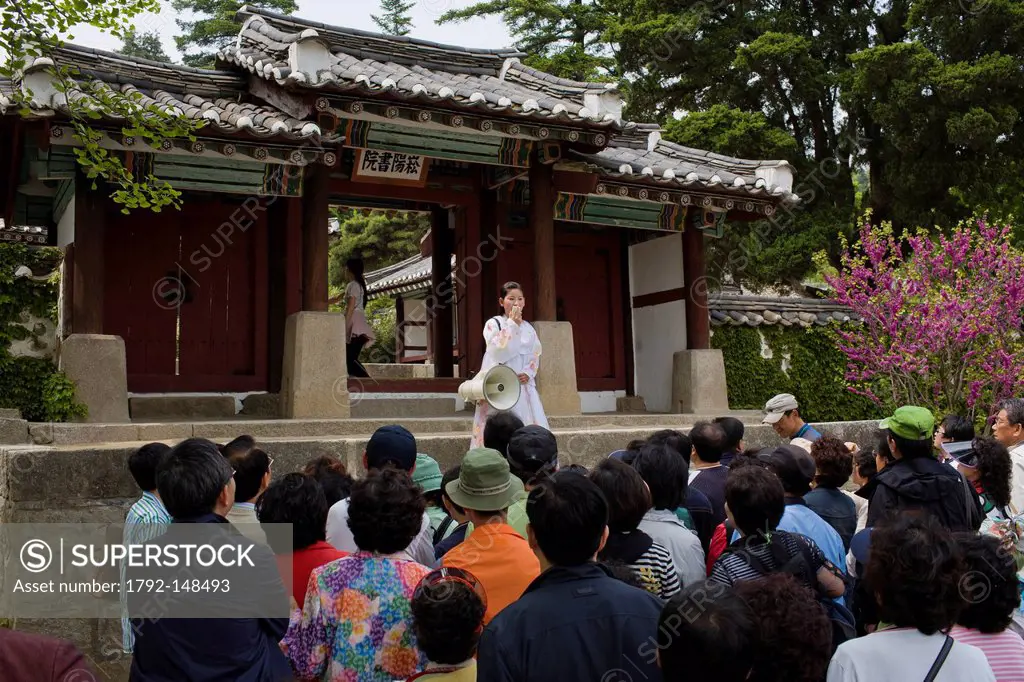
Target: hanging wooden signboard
(390, 168)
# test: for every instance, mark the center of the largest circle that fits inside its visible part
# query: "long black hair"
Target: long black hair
(355, 266)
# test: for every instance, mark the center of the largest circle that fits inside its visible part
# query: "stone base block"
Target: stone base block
(265, 405)
(698, 382)
(96, 363)
(556, 379)
(630, 403)
(163, 408)
(13, 431)
(9, 413)
(314, 382)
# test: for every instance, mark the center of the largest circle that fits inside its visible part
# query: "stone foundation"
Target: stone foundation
(96, 363)
(556, 378)
(314, 383)
(698, 382)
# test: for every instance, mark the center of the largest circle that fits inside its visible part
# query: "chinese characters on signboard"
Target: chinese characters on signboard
(390, 168)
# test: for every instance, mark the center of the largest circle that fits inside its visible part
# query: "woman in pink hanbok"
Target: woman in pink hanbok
(512, 341)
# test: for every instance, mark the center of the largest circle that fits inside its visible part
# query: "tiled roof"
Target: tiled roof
(308, 54)
(753, 311)
(217, 97)
(640, 153)
(27, 234)
(411, 274)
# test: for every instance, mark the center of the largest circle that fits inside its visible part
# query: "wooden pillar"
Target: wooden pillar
(315, 215)
(441, 246)
(399, 328)
(285, 278)
(542, 223)
(698, 323)
(471, 271)
(87, 290)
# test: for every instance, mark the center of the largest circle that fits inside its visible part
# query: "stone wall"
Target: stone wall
(91, 484)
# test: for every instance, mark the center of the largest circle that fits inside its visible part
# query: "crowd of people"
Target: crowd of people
(682, 557)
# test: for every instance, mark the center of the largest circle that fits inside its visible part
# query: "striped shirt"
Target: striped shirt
(1004, 651)
(657, 572)
(139, 528)
(733, 567)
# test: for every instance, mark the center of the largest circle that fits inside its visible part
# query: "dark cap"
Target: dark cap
(794, 467)
(392, 444)
(531, 447)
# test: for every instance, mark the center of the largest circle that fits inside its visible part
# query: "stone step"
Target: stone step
(404, 407)
(74, 433)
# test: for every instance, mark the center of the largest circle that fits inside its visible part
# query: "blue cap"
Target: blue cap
(860, 546)
(392, 444)
(619, 454)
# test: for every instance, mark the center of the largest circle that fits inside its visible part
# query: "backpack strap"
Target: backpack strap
(947, 646)
(442, 529)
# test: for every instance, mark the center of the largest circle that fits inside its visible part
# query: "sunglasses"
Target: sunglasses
(442, 576)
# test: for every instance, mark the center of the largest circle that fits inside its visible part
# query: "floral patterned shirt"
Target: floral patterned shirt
(356, 624)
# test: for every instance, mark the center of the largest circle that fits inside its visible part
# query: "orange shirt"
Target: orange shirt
(500, 559)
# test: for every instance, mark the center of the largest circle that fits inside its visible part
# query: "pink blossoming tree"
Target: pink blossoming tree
(942, 317)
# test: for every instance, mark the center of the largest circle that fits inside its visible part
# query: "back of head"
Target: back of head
(191, 477)
(568, 516)
(911, 428)
(332, 476)
(706, 633)
(833, 462)
(864, 460)
(755, 499)
(995, 469)
(239, 446)
(498, 431)
(666, 474)
(532, 453)
(709, 441)
(144, 462)
(676, 440)
(627, 496)
(385, 511)
(989, 586)
(957, 428)
(734, 430)
(250, 465)
(448, 619)
(449, 476)
(914, 569)
(296, 499)
(794, 635)
(391, 445)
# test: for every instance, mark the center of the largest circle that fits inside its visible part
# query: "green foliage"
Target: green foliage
(379, 239)
(394, 17)
(33, 385)
(380, 312)
(814, 374)
(143, 45)
(214, 26)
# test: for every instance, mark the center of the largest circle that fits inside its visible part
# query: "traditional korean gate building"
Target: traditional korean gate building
(526, 176)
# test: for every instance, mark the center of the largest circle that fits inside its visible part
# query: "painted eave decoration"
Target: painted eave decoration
(218, 99)
(670, 169)
(297, 53)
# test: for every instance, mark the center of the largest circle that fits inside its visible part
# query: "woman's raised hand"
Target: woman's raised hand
(517, 315)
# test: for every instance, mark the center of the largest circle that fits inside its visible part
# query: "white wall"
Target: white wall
(599, 401)
(66, 226)
(658, 331)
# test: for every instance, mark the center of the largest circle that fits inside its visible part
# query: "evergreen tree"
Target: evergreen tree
(380, 238)
(214, 26)
(394, 17)
(143, 45)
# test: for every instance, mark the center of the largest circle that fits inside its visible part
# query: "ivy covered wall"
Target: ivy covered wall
(33, 385)
(804, 362)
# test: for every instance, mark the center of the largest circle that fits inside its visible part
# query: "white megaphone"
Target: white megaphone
(499, 386)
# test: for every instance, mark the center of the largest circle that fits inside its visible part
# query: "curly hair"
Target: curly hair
(793, 640)
(833, 460)
(332, 476)
(989, 587)
(299, 500)
(385, 511)
(447, 619)
(914, 569)
(865, 463)
(994, 469)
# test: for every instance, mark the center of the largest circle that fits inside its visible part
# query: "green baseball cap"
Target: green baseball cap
(910, 422)
(485, 482)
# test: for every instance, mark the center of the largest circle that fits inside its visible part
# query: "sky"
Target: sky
(488, 33)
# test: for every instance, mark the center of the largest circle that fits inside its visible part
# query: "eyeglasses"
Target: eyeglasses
(441, 576)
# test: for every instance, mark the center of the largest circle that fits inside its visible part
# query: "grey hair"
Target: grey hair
(1014, 410)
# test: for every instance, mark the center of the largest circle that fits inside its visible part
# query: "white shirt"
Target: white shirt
(682, 543)
(421, 549)
(242, 516)
(906, 656)
(1017, 479)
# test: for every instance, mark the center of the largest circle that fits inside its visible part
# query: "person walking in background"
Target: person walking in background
(355, 623)
(734, 430)
(783, 414)
(144, 521)
(575, 621)
(448, 616)
(297, 499)
(358, 332)
(493, 551)
(1008, 429)
(707, 474)
(628, 501)
(512, 341)
(834, 465)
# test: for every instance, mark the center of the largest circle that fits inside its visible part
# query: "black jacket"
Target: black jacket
(925, 484)
(573, 623)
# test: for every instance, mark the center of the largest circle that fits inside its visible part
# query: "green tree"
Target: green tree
(214, 26)
(380, 238)
(563, 37)
(394, 17)
(143, 45)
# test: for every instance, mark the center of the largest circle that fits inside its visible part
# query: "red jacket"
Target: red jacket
(26, 657)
